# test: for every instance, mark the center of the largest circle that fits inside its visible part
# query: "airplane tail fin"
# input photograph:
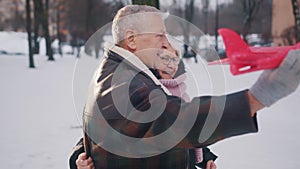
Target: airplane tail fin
(237, 51)
(232, 41)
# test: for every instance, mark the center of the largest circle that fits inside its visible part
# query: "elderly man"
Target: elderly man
(131, 121)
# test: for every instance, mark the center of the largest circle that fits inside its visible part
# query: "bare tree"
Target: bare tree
(296, 13)
(89, 15)
(288, 36)
(18, 17)
(42, 19)
(217, 25)
(37, 22)
(28, 26)
(188, 15)
(250, 8)
(58, 6)
(45, 26)
(205, 12)
(154, 3)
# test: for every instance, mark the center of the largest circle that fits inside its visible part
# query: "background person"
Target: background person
(171, 73)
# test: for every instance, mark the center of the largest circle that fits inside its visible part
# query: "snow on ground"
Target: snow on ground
(39, 124)
(275, 146)
(8, 44)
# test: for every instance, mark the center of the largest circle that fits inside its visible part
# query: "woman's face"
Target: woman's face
(167, 64)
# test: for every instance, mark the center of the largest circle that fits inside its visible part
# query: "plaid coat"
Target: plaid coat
(104, 121)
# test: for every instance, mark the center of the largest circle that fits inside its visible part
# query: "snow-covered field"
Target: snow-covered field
(39, 124)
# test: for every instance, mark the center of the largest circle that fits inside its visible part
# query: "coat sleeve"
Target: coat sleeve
(204, 121)
(78, 149)
(232, 118)
(198, 123)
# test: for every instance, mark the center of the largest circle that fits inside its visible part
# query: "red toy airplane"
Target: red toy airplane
(243, 58)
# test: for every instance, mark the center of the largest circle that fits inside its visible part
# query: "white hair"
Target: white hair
(132, 17)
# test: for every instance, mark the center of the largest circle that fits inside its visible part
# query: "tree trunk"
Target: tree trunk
(188, 15)
(217, 26)
(205, 12)
(28, 26)
(88, 16)
(45, 24)
(154, 3)
(296, 13)
(17, 15)
(41, 15)
(37, 22)
(251, 8)
(58, 29)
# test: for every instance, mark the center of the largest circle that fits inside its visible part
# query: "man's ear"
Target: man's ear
(130, 40)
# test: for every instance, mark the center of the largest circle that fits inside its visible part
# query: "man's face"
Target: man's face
(151, 40)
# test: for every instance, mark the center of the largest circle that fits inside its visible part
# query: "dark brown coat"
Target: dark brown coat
(100, 109)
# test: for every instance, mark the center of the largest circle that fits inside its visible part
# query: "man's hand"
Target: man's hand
(211, 165)
(83, 163)
(277, 83)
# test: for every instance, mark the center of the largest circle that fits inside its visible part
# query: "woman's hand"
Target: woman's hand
(83, 163)
(211, 165)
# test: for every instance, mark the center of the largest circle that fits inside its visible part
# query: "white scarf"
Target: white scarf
(133, 59)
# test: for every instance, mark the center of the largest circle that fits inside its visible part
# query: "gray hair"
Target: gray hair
(131, 17)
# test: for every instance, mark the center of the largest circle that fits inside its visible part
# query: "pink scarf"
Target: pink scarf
(177, 87)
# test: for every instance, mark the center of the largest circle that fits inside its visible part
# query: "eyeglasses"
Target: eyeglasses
(167, 60)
